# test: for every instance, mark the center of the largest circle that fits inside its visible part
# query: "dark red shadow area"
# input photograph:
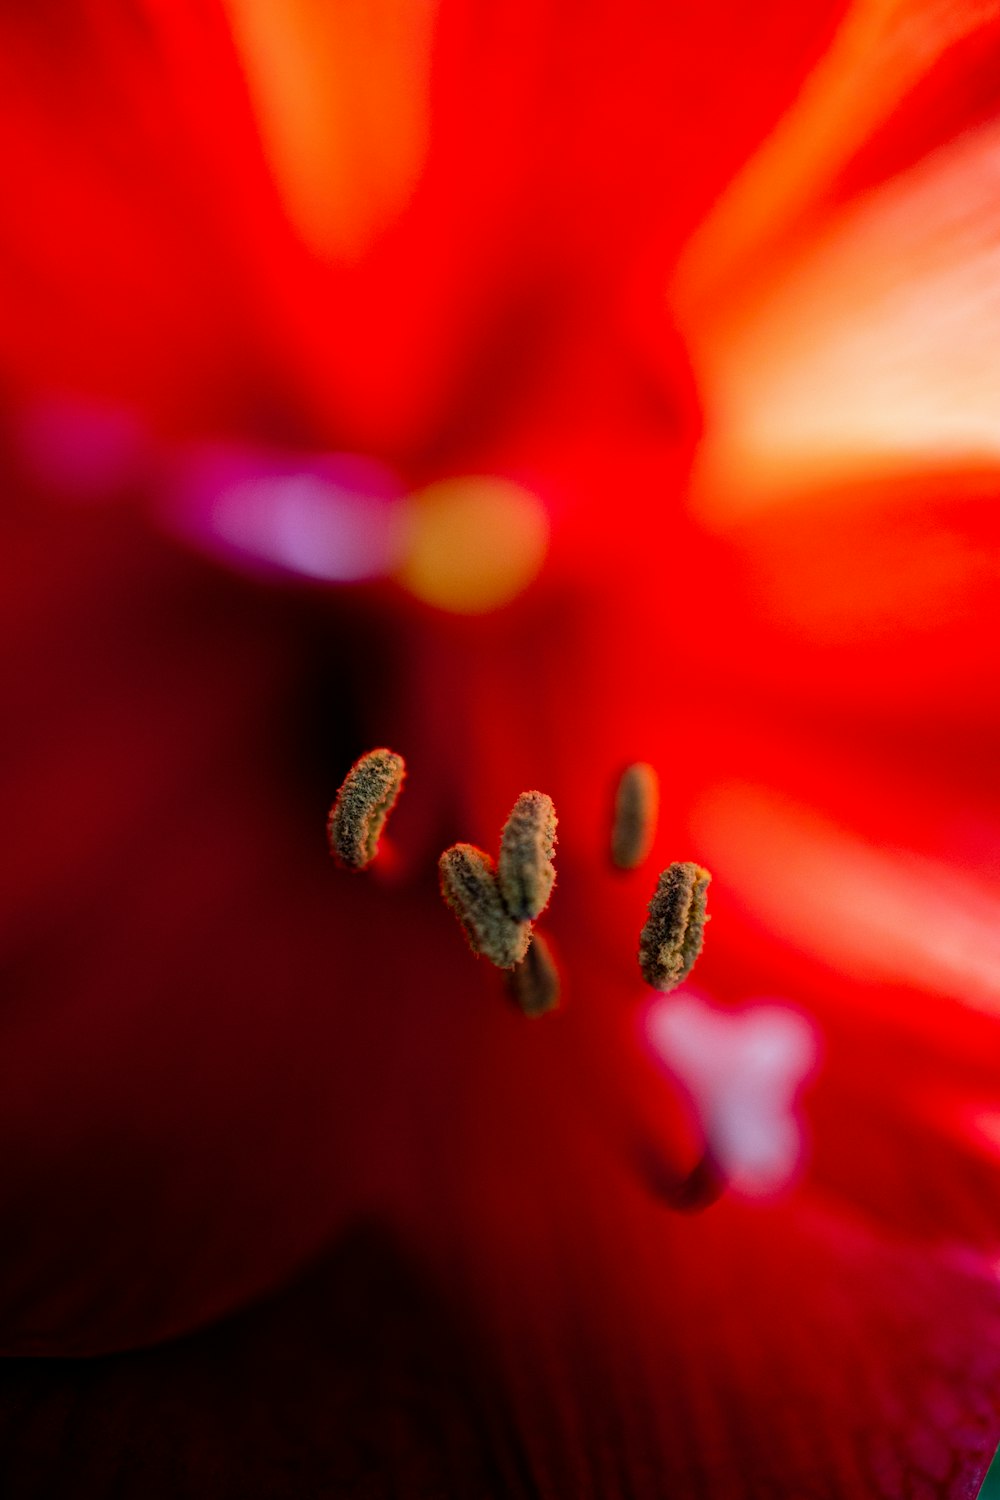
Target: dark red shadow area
(354, 1382)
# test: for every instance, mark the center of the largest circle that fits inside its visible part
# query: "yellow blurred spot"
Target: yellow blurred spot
(340, 89)
(473, 544)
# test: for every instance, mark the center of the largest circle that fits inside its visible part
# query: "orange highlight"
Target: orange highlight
(341, 96)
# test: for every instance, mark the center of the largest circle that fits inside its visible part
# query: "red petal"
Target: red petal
(180, 997)
(151, 257)
(218, 1049)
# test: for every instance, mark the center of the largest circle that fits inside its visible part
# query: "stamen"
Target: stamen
(637, 803)
(534, 982)
(675, 927)
(469, 886)
(527, 845)
(366, 798)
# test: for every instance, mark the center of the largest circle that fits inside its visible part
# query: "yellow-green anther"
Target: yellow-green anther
(675, 927)
(527, 845)
(534, 983)
(637, 803)
(469, 885)
(365, 800)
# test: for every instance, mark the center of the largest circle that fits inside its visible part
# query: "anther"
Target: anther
(672, 937)
(469, 886)
(637, 803)
(366, 798)
(534, 982)
(527, 845)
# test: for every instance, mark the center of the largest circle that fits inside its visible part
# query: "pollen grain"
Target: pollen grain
(469, 886)
(637, 803)
(534, 982)
(674, 932)
(527, 844)
(366, 797)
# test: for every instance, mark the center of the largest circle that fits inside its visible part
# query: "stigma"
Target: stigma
(367, 796)
(674, 932)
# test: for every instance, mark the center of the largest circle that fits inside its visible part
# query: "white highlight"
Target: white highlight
(875, 349)
(743, 1071)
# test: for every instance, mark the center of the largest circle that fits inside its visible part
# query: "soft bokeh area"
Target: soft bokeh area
(534, 390)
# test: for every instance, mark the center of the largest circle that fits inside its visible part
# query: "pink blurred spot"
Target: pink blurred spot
(743, 1072)
(984, 1125)
(81, 450)
(329, 517)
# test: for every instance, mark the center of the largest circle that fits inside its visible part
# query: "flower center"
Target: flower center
(498, 903)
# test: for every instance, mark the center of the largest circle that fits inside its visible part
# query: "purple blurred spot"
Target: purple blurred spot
(330, 517)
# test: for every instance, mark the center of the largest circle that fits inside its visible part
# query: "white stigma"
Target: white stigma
(743, 1072)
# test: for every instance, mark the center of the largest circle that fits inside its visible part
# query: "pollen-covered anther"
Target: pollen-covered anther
(675, 927)
(527, 844)
(637, 804)
(534, 982)
(366, 798)
(469, 885)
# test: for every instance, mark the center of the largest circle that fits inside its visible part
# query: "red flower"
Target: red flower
(438, 247)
